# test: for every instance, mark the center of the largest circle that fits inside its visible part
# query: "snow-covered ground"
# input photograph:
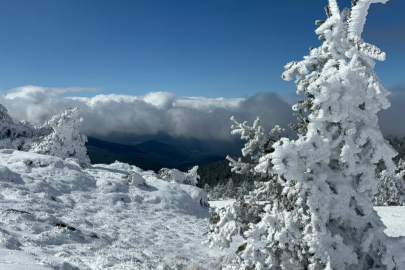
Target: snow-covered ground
(56, 215)
(53, 214)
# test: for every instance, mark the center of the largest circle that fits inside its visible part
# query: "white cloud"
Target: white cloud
(160, 99)
(208, 104)
(165, 112)
(190, 117)
(32, 91)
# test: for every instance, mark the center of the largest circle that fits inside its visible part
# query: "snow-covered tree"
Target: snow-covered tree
(217, 192)
(65, 139)
(391, 187)
(244, 189)
(230, 189)
(206, 187)
(319, 188)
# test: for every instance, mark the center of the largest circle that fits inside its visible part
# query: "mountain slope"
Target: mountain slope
(106, 152)
(161, 149)
(150, 155)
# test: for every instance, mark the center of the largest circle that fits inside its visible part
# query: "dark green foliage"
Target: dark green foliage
(398, 143)
(241, 248)
(214, 219)
(220, 173)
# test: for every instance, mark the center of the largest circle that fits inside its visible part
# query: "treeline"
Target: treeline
(219, 173)
(220, 182)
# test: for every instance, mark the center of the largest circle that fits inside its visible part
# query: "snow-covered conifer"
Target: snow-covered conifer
(391, 186)
(244, 189)
(217, 192)
(206, 187)
(65, 139)
(230, 189)
(320, 213)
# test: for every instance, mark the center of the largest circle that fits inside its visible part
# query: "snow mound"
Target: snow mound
(55, 214)
(137, 180)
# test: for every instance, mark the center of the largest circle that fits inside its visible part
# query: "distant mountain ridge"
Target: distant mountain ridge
(154, 155)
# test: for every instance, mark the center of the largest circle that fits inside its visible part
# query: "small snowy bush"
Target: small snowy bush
(173, 175)
(65, 140)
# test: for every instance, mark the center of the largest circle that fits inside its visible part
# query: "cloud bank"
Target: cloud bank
(156, 112)
(165, 112)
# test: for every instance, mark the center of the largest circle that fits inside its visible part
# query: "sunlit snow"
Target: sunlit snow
(56, 215)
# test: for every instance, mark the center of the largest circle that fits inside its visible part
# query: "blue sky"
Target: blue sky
(221, 48)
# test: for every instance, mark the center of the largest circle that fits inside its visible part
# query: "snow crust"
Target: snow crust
(55, 214)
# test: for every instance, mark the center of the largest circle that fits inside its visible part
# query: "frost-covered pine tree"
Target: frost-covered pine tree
(64, 139)
(319, 209)
(391, 187)
(217, 192)
(244, 189)
(230, 189)
(206, 187)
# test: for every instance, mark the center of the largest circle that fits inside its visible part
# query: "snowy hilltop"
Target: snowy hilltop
(55, 214)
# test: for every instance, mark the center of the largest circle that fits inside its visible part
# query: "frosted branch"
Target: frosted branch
(358, 16)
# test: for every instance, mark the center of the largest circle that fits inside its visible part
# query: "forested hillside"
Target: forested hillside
(149, 155)
(154, 155)
(219, 173)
